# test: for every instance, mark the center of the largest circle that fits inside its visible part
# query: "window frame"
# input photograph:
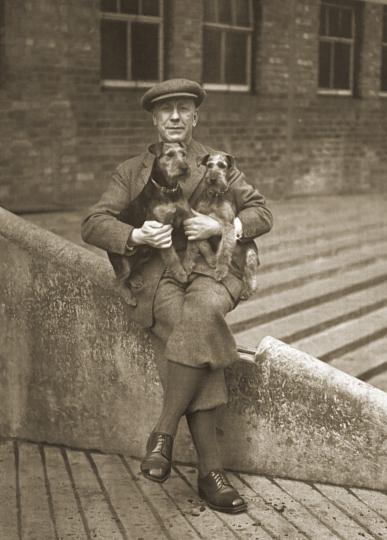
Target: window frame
(336, 39)
(129, 19)
(383, 91)
(224, 27)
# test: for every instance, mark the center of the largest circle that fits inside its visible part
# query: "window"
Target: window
(131, 42)
(383, 85)
(227, 44)
(339, 21)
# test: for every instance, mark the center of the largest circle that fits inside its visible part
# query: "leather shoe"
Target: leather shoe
(156, 465)
(219, 494)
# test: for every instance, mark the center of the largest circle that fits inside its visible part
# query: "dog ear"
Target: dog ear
(231, 161)
(156, 149)
(202, 160)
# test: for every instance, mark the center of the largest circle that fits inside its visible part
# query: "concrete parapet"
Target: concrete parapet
(75, 370)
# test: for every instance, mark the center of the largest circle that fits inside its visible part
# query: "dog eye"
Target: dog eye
(170, 154)
(221, 165)
(210, 165)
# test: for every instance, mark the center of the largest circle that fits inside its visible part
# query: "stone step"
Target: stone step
(320, 267)
(262, 310)
(310, 321)
(365, 362)
(346, 336)
(310, 233)
(325, 248)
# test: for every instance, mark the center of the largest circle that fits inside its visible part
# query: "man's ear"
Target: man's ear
(202, 160)
(156, 149)
(230, 161)
(195, 118)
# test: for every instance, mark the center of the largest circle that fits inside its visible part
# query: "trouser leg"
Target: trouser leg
(202, 425)
(168, 311)
(182, 385)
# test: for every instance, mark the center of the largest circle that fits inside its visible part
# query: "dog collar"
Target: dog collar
(165, 189)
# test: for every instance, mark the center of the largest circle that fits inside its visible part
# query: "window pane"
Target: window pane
(324, 20)
(324, 64)
(243, 17)
(113, 49)
(211, 56)
(341, 67)
(225, 11)
(145, 51)
(150, 7)
(340, 22)
(129, 7)
(236, 54)
(109, 5)
(209, 11)
(384, 70)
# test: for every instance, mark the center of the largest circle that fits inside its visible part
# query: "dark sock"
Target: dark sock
(202, 425)
(182, 385)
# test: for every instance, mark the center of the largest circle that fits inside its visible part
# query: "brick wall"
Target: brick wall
(61, 133)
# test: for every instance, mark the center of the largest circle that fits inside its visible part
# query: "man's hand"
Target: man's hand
(201, 227)
(154, 234)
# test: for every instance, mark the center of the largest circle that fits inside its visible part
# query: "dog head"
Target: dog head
(171, 162)
(218, 167)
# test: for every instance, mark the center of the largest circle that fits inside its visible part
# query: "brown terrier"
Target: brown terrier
(162, 199)
(216, 203)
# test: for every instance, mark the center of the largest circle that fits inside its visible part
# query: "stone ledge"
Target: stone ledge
(75, 371)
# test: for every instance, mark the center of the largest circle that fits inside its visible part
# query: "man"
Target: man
(187, 323)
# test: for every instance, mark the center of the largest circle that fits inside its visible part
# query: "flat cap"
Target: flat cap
(173, 88)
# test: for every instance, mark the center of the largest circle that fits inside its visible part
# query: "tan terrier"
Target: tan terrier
(216, 203)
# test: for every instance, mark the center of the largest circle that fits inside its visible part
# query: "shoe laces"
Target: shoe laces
(220, 479)
(160, 440)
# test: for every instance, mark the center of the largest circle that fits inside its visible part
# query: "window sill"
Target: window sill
(113, 83)
(226, 87)
(322, 92)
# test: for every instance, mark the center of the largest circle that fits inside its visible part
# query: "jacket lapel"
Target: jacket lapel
(145, 170)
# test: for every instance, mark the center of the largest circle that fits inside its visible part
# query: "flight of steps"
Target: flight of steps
(323, 284)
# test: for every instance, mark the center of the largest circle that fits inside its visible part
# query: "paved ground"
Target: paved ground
(52, 493)
(323, 281)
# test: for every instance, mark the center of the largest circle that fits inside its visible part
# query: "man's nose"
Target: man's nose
(175, 114)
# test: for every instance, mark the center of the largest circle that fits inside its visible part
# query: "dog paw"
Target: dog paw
(221, 272)
(180, 275)
(245, 294)
(211, 261)
(128, 297)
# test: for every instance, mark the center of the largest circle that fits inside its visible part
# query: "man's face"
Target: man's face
(175, 119)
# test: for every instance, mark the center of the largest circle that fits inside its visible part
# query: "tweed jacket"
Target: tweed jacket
(109, 223)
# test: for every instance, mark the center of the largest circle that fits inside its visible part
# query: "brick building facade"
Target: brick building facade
(294, 128)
